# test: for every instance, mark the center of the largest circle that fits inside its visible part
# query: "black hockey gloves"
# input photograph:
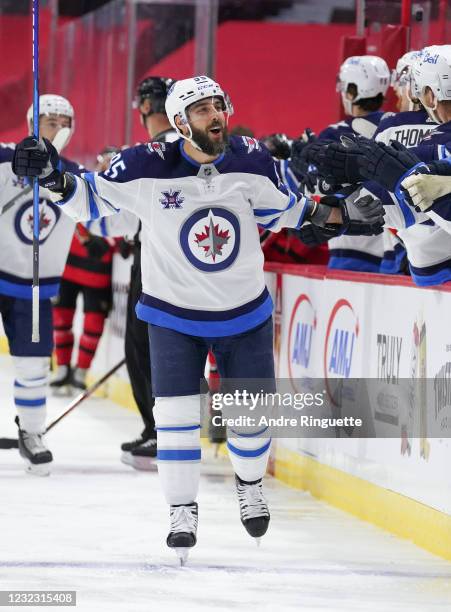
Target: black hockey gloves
(33, 158)
(336, 163)
(41, 159)
(363, 217)
(387, 165)
(313, 235)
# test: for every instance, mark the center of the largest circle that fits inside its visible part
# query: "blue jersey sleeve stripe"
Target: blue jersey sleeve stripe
(90, 179)
(268, 225)
(267, 212)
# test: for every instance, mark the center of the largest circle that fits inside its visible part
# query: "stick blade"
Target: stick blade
(7, 443)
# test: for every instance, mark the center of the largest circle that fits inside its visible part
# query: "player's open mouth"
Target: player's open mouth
(216, 130)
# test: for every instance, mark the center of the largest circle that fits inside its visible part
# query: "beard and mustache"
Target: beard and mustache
(208, 146)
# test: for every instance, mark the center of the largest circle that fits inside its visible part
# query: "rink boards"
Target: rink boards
(390, 330)
(387, 329)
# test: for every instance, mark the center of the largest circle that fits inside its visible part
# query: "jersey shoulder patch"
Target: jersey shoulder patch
(150, 160)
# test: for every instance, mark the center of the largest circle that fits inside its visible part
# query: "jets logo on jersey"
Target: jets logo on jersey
(49, 215)
(210, 239)
(158, 148)
(171, 199)
(252, 144)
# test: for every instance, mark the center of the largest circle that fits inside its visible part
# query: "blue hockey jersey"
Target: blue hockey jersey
(358, 253)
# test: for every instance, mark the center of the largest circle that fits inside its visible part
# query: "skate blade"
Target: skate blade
(65, 391)
(145, 464)
(182, 554)
(42, 469)
(127, 458)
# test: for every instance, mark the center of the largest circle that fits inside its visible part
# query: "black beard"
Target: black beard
(206, 145)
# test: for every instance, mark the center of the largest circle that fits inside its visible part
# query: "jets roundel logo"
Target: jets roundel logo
(49, 215)
(210, 239)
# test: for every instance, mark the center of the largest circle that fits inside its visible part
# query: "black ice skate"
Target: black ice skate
(127, 447)
(78, 379)
(143, 457)
(253, 507)
(182, 535)
(61, 381)
(36, 455)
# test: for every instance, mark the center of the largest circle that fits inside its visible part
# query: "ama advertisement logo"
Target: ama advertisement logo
(301, 334)
(340, 342)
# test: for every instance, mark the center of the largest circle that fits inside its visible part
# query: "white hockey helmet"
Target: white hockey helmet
(185, 92)
(370, 75)
(433, 70)
(400, 76)
(51, 104)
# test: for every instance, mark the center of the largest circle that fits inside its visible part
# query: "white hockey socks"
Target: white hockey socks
(30, 392)
(249, 452)
(177, 421)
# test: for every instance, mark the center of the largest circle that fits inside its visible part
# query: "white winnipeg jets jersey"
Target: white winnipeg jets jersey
(202, 265)
(16, 234)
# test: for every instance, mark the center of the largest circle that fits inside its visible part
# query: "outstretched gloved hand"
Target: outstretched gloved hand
(40, 159)
(424, 189)
(385, 164)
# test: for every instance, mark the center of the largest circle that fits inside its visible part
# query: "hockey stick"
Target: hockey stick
(9, 443)
(35, 287)
(89, 391)
(13, 442)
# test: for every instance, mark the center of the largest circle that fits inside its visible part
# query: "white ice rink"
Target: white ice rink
(99, 527)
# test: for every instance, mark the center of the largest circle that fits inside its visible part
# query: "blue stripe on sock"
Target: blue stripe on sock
(249, 435)
(249, 453)
(187, 428)
(178, 454)
(30, 403)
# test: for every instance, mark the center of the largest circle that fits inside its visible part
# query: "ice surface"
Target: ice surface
(99, 527)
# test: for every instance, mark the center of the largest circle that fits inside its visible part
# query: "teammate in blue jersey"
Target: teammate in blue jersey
(362, 82)
(31, 360)
(388, 166)
(199, 200)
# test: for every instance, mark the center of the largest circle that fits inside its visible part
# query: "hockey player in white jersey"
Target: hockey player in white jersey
(31, 360)
(199, 200)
